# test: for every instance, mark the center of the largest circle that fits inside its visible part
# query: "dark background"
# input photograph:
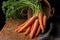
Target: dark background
(55, 19)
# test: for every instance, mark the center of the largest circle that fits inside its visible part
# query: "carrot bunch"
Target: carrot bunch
(35, 24)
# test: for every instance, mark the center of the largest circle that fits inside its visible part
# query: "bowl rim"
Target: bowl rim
(47, 33)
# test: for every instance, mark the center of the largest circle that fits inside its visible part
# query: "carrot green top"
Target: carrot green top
(13, 8)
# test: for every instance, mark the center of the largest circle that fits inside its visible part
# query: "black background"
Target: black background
(55, 19)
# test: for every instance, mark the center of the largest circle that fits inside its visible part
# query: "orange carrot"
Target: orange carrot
(44, 20)
(28, 30)
(40, 17)
(28, 12)
(29, 22)
(20, 26)
(38, 31)
(29, 16)
(34, 29)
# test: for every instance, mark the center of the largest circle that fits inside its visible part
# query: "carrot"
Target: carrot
(34, 29)
(29, 22)
(28, 12)
(29, 16)
(40, 17)
(38, 31)
(28, 30)
(20, 26)
(44, 20)
(32, 26)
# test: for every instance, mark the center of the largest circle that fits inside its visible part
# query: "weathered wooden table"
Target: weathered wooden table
(8, 31)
